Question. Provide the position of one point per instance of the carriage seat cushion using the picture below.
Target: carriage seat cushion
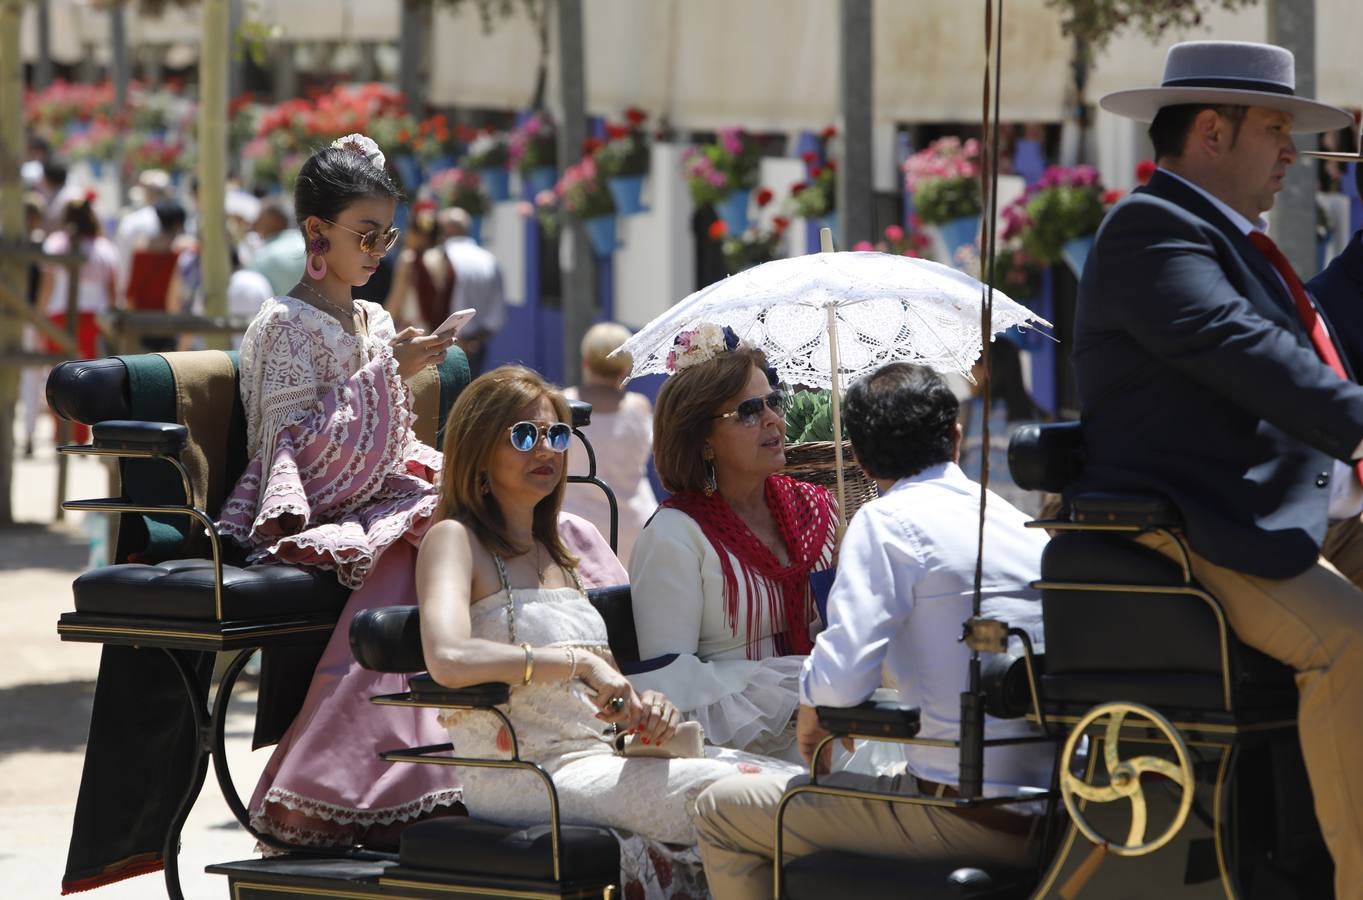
(1162, 649)
(183, 589)
(473, 847)
(831, 873)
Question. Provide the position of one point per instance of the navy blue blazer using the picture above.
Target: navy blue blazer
(1196, 380)
(1339, 294)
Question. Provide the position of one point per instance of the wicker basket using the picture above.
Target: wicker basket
(814, 462)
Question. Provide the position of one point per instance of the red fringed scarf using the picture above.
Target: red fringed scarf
(804, 516)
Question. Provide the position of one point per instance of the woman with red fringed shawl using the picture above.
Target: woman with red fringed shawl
(720, 575)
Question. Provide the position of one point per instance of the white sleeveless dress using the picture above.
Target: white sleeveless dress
(648, 802)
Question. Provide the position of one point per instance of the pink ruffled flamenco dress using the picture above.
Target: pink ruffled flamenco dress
(348, 488)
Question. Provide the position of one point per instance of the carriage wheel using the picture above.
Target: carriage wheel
(1124, 778)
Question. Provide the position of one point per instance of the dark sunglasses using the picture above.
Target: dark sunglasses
(525, 435)
(371, 241)
(749, 412)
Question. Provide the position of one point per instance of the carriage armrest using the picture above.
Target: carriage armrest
(581, 413)
(1003, 677)
(872, 719)
(424, 689)
(150, 437)
(1138, 510)
(1046, 456)
(388, 639)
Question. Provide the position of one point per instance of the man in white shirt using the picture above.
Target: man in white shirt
(904, 586)
(477, 285)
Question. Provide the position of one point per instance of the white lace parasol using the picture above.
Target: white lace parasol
(848, 313)
(885, 308)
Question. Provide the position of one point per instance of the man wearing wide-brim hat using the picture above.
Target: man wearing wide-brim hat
(1339, 289)
(1206, 374)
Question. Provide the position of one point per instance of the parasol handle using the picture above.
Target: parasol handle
(826, 237)
(825, 240)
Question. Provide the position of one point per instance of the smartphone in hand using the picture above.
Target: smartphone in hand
(455, 323)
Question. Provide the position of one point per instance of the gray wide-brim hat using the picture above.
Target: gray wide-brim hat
(1336, 155)
(1229, 72)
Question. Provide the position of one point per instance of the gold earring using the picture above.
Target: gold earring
(711, 483)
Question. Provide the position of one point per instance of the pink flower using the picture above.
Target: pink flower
(894, 233)
(863, 245)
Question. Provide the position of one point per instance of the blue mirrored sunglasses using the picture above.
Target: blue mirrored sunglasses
(749, 412)
(525, 435)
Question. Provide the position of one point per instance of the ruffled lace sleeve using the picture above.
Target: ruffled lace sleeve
(278, 379)
(677, 595)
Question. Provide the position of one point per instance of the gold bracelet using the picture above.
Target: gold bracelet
(529, 664)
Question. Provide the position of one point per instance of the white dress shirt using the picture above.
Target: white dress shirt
(478, 285)
(905, 582)
(1346, 494)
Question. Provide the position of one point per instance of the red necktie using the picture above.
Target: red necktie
(1306, 311)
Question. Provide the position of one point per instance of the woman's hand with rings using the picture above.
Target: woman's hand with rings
(659, 720)
(415, 351)
(613, 696)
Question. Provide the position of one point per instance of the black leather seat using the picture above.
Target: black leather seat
(467, 846)
(1171, 650)
(846, 876)
(186, 589)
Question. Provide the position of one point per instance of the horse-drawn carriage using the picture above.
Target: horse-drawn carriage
(1178, 769)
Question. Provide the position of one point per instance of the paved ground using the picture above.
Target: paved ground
(46, 690)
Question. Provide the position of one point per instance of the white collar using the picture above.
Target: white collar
(943, 471)
(1236, 219)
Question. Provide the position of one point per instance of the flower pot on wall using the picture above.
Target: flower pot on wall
(958, 233)
(409, 170)
(540, 178)
(1075, 252)
(602, 234)
(733, 210)
(627, 191)
(498, 183)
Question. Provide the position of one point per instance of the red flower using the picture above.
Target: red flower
(763, 197)
(1144, 169)
(779, 224)
(590, 146)
(816, 172)
(615, 132)
(635, 116)
(717, 230)
(829, 133)
(1112, 196)
(810, 157)
(831, 165)
(796, 188)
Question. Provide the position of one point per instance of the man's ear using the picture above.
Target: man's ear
(1211, 132)
(957, 434)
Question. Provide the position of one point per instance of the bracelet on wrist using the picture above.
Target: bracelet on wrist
(529, 663)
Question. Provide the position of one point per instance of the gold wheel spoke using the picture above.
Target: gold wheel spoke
(1112, 740)
(1092, 792)
(1158, 765)
(1136, 836)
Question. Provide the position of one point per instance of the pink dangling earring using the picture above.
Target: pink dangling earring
(317, 263)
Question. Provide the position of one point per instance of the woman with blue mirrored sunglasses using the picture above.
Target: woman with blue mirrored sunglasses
(525, 435)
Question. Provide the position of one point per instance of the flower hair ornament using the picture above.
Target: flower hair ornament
(701, 344)
(365, 146)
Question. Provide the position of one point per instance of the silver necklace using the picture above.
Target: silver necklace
(334, 307)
